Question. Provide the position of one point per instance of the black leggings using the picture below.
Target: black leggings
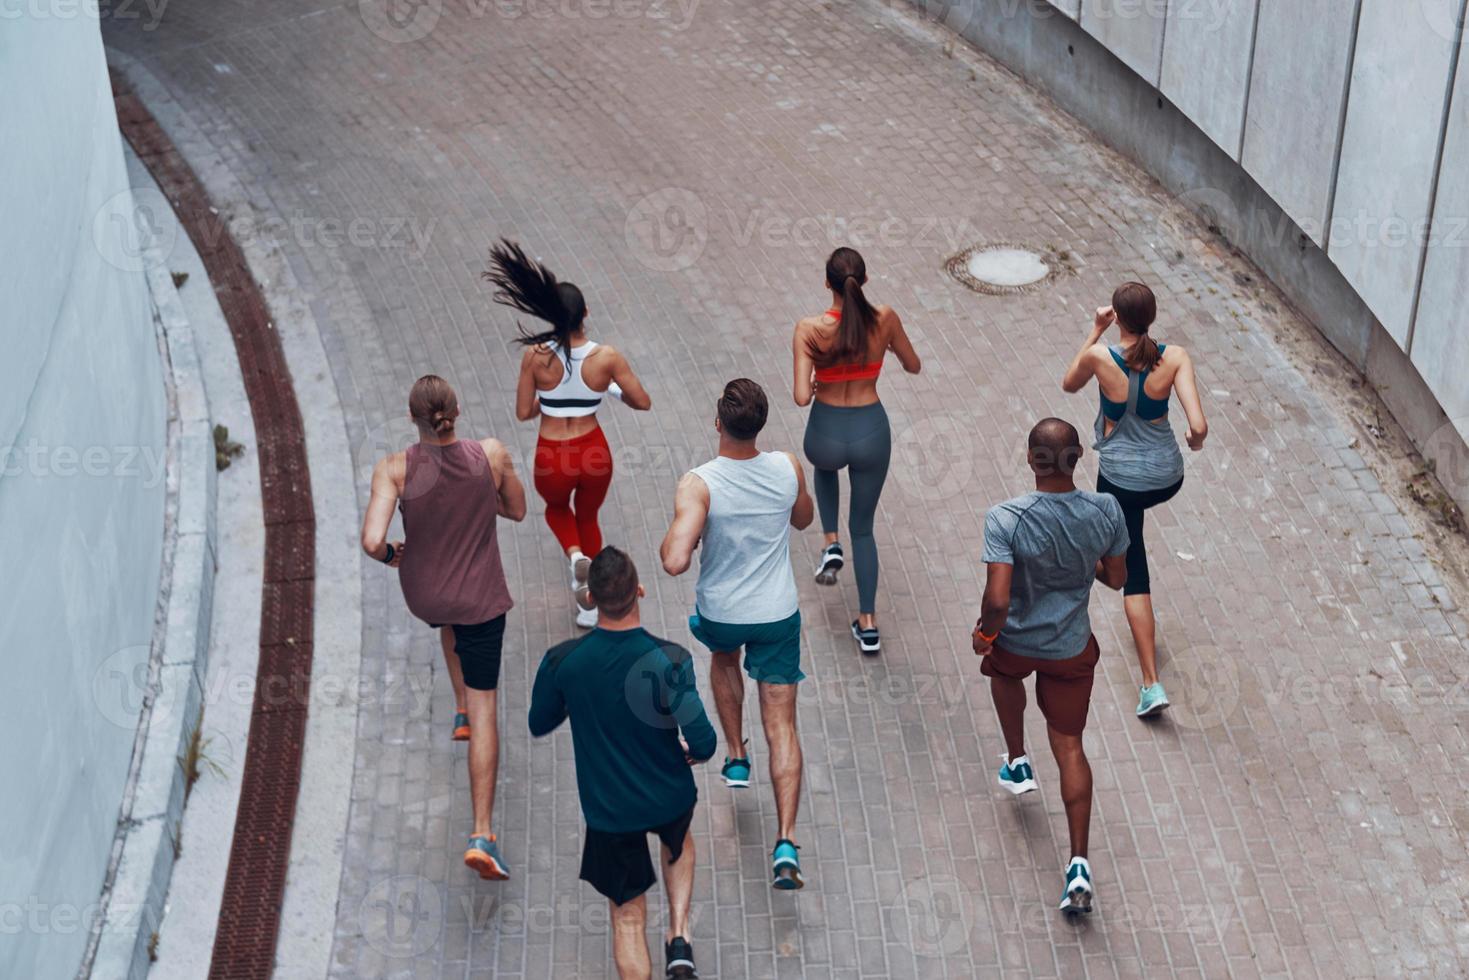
(1135, 503)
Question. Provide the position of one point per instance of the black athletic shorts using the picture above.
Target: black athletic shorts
(479, 649)
(618, 865)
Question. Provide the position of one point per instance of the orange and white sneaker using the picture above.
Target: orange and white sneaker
(483, 857)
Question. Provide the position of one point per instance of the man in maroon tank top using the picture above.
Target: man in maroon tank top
(451, 493)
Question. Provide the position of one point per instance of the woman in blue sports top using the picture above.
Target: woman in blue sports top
(1140, 462)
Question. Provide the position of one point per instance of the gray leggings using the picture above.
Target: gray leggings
(861, 440)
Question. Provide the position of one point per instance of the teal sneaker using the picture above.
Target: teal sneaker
(736, 772)
(1077, 899)
(1017, 777)
(785, 866)
(461, 727)
(1151, 701)
(483, 856)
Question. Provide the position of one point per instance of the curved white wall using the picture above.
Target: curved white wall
(82, 436)
(1352, 116)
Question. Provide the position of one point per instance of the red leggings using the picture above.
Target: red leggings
(580, 466)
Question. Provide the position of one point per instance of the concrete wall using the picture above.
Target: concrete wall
(82, 432)
(1318, 135)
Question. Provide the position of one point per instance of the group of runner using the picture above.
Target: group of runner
(638, 722)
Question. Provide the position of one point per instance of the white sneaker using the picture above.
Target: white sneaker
(581, 567)
(586, 618)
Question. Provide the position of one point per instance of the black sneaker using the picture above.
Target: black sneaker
(680, 955)
(830, 562)
(867, 640)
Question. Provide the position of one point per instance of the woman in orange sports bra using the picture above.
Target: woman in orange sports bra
(838, 357)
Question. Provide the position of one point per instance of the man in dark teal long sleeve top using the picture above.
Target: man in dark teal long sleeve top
(629, 694)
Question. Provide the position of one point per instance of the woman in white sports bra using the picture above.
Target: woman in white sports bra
(563, 379)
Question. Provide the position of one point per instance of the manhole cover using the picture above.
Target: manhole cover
(1001, 269)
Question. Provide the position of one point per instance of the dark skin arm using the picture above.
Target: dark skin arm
(1112, 572)
(996, 607)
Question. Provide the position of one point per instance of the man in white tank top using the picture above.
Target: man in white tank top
(742, 505)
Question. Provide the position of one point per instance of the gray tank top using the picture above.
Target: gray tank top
(745, 562)
(1138, 455)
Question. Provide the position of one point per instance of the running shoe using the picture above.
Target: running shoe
(785, 866)
(581, 568)
(1017, 777)
(461, 727)
(830, 562)
(868, 641)
(679, 954)
(586, 618)
(1151, 701)
(736, 772)
(483, 856)
(1077, 899)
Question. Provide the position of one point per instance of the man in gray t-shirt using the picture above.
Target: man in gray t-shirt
(1043, 551)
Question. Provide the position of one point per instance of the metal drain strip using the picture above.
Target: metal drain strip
(249, 913)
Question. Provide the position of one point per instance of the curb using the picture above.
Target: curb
(153, 804)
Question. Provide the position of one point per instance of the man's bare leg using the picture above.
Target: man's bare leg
(456, 671)
(1076, 788)
(630, 940)
(484, 757)
(778, 713)
(728, 685)
(1009, 697)
(678, 880)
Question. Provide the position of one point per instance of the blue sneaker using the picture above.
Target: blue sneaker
(1151, 701)
(736, 772)
(461, 727)
(786, 866)
(483, 856)
(1017, 777)
(1078, 897)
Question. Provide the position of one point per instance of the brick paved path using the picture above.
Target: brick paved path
(1315, 658)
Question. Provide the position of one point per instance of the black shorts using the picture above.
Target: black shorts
(618, 865)
(479, 649)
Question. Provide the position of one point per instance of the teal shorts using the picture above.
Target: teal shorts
(772, 650)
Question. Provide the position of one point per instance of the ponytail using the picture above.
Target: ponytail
(433, 404)
(1136, 309)
(845, 273)
(528, 286)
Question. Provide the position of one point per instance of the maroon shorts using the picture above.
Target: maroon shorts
(1063, 688)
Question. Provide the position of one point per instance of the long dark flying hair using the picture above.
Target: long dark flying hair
(1136, 309)
(526, 285)
(845, 274)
